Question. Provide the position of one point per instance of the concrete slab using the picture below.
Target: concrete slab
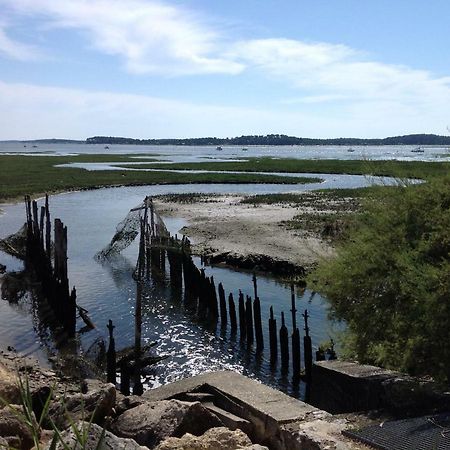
(244, 391)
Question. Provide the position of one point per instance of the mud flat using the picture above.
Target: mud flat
(253, 236)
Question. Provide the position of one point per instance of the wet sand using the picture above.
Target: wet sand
(221, 225)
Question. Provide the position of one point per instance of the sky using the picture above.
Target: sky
(175, 69)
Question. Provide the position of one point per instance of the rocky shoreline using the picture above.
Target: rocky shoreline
(90, 414)
(102, 413)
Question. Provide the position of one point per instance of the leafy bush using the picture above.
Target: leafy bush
(390, 281)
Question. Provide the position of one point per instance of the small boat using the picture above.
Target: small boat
(418, 150)
(219, 148)
(351, 150)
(34, 146)
(245, 149)
(106, 147)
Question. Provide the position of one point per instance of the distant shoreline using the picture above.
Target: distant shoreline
(270, 139)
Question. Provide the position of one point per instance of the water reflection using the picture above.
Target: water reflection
(108, 291)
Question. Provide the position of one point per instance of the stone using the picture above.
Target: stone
(97, 439)
(152, 422)
(220, 438)
(13, 429)
(124, 403)
(96, 401)
(317, 435)
(9, 388)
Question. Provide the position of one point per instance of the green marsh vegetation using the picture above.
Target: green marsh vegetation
(400, 169)
(20, 175)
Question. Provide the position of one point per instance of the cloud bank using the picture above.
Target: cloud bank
(158, 38)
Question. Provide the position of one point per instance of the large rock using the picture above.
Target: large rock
(152, 422)
(9, 388)
(214, 439)
(97, 439)
(94, 403)
(13, 429)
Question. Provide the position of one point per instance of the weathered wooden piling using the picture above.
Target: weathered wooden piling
(284, 346)
(242, 318)
(125, 378)
(137, 384)
(232, 310)
(295, 340)
(249, 320)
(320, 354)
(52, 274)
(296, 355)
(273, 337)
(213, 304)
(223, 305)
(258, 324)
(307, 350)
(111, 355)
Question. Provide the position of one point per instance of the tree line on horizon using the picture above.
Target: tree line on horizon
(277, 139)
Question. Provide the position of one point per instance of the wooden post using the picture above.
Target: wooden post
(249, 320)
(223, 305)
(307, 349)
(232, 310)
(125, 378)
(214, 309)
(71, 313)
(111, 356)
(273, 337)
(137, 384)
(242, 319)
(293, 309)
(320, 355)
(295, 339)
(296, 355)
(255, 286)
(48, 228)
(284, 346)
(258, 324)
(41, 227)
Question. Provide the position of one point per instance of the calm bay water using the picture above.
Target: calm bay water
(108, 291)
(202, 153)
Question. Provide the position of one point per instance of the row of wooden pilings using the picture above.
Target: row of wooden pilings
(211, 305)
(51, 272)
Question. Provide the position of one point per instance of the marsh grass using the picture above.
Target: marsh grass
(34, 175)
(391, 168)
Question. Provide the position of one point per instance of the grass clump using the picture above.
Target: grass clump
(34, 417)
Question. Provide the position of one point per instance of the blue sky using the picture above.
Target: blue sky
(144, 68)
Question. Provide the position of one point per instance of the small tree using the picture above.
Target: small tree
(390, 281)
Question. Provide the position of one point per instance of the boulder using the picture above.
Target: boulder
(220, 438)
(13, 429)
(9, 388)
(97, 439)
(152, 422)
(316, 435)
(96, 402)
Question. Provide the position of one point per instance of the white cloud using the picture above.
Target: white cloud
(328, 72)
(151, 36)
(16, 50)
(33, 111)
